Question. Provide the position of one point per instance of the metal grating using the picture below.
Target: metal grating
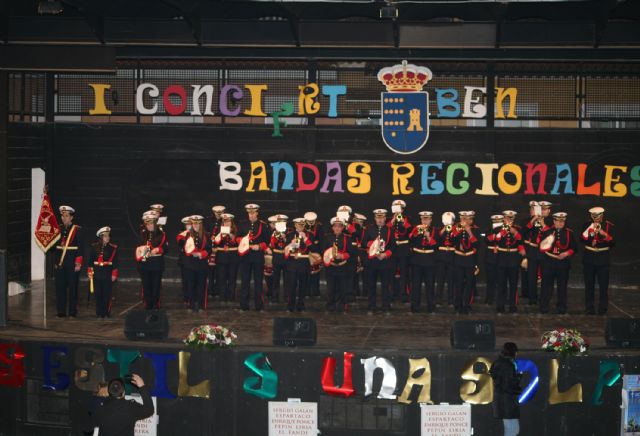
(612, 98)
(551, 92)
(542, 98)
(74, 96)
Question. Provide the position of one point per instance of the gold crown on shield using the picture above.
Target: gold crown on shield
(404, 77)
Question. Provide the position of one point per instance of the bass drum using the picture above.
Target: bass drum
(244, 246)
(268, 265)
(189, 245)
(327, 257)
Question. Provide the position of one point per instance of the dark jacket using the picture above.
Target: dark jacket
(117, 417)
(506, 388)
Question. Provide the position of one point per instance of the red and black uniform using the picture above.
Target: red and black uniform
(297, 270)
(196, 269)
(444, 264)
(361, 256)
(400, 231)
(423, 266)
(252, 262)
(315, 232)
(212, 285)
(338, 272)
(382, 268)
(509, 258)
(151, 267)
(464, 263)
(103, 265)
(491, 266)
(596, 261)
(227, 262)
(65, 274)
(556, 269)
(530, 233)
(180, 240)
(277, 243)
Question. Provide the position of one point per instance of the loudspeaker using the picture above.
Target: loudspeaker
(623, 332)
(294, 332)
(140, 325)
(473, 335)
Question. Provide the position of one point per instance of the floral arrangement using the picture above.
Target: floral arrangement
(210, 336)
(565, 341)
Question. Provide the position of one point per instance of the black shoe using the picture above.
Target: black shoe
(73, 315)
(61, 315)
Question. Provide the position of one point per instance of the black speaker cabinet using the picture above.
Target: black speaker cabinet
(294, 332)
(473, 335)
(142, 325)
(623, 332)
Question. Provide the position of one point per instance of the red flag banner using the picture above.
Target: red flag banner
(47, 230)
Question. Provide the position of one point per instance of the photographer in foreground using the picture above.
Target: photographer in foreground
(118, 416)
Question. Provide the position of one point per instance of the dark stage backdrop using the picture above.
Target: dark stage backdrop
(110, 174)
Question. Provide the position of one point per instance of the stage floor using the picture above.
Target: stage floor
(399, 330)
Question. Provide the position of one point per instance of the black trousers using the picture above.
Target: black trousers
(401, 268)
(524, 283)
(423, 274)
(591, 274)
(273, 282)
(314, 284)
(227, 274)
(66, 278)
(185, 288)
(212, 283)
(102, 289)
(297, 279)
(374, 272)
(151, 282)
(507, 287)
(464, 285)
(550, 275)
(337, 285)
(196, 283)
(444, 275)
(530, 279)
(249, 269)
(491, 271)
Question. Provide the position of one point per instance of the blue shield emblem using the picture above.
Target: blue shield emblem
(405, 120)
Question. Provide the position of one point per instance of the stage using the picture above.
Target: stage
(399, 330)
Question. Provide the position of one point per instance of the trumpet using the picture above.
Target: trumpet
(334, 251)
(422, 229)
(506, 227)
(399, 218)
(538, 223)
(596, 227)
(448, 227)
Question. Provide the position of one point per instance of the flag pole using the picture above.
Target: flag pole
(44, 289)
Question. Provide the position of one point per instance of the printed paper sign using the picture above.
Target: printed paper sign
(445, 420)
(288, 419)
